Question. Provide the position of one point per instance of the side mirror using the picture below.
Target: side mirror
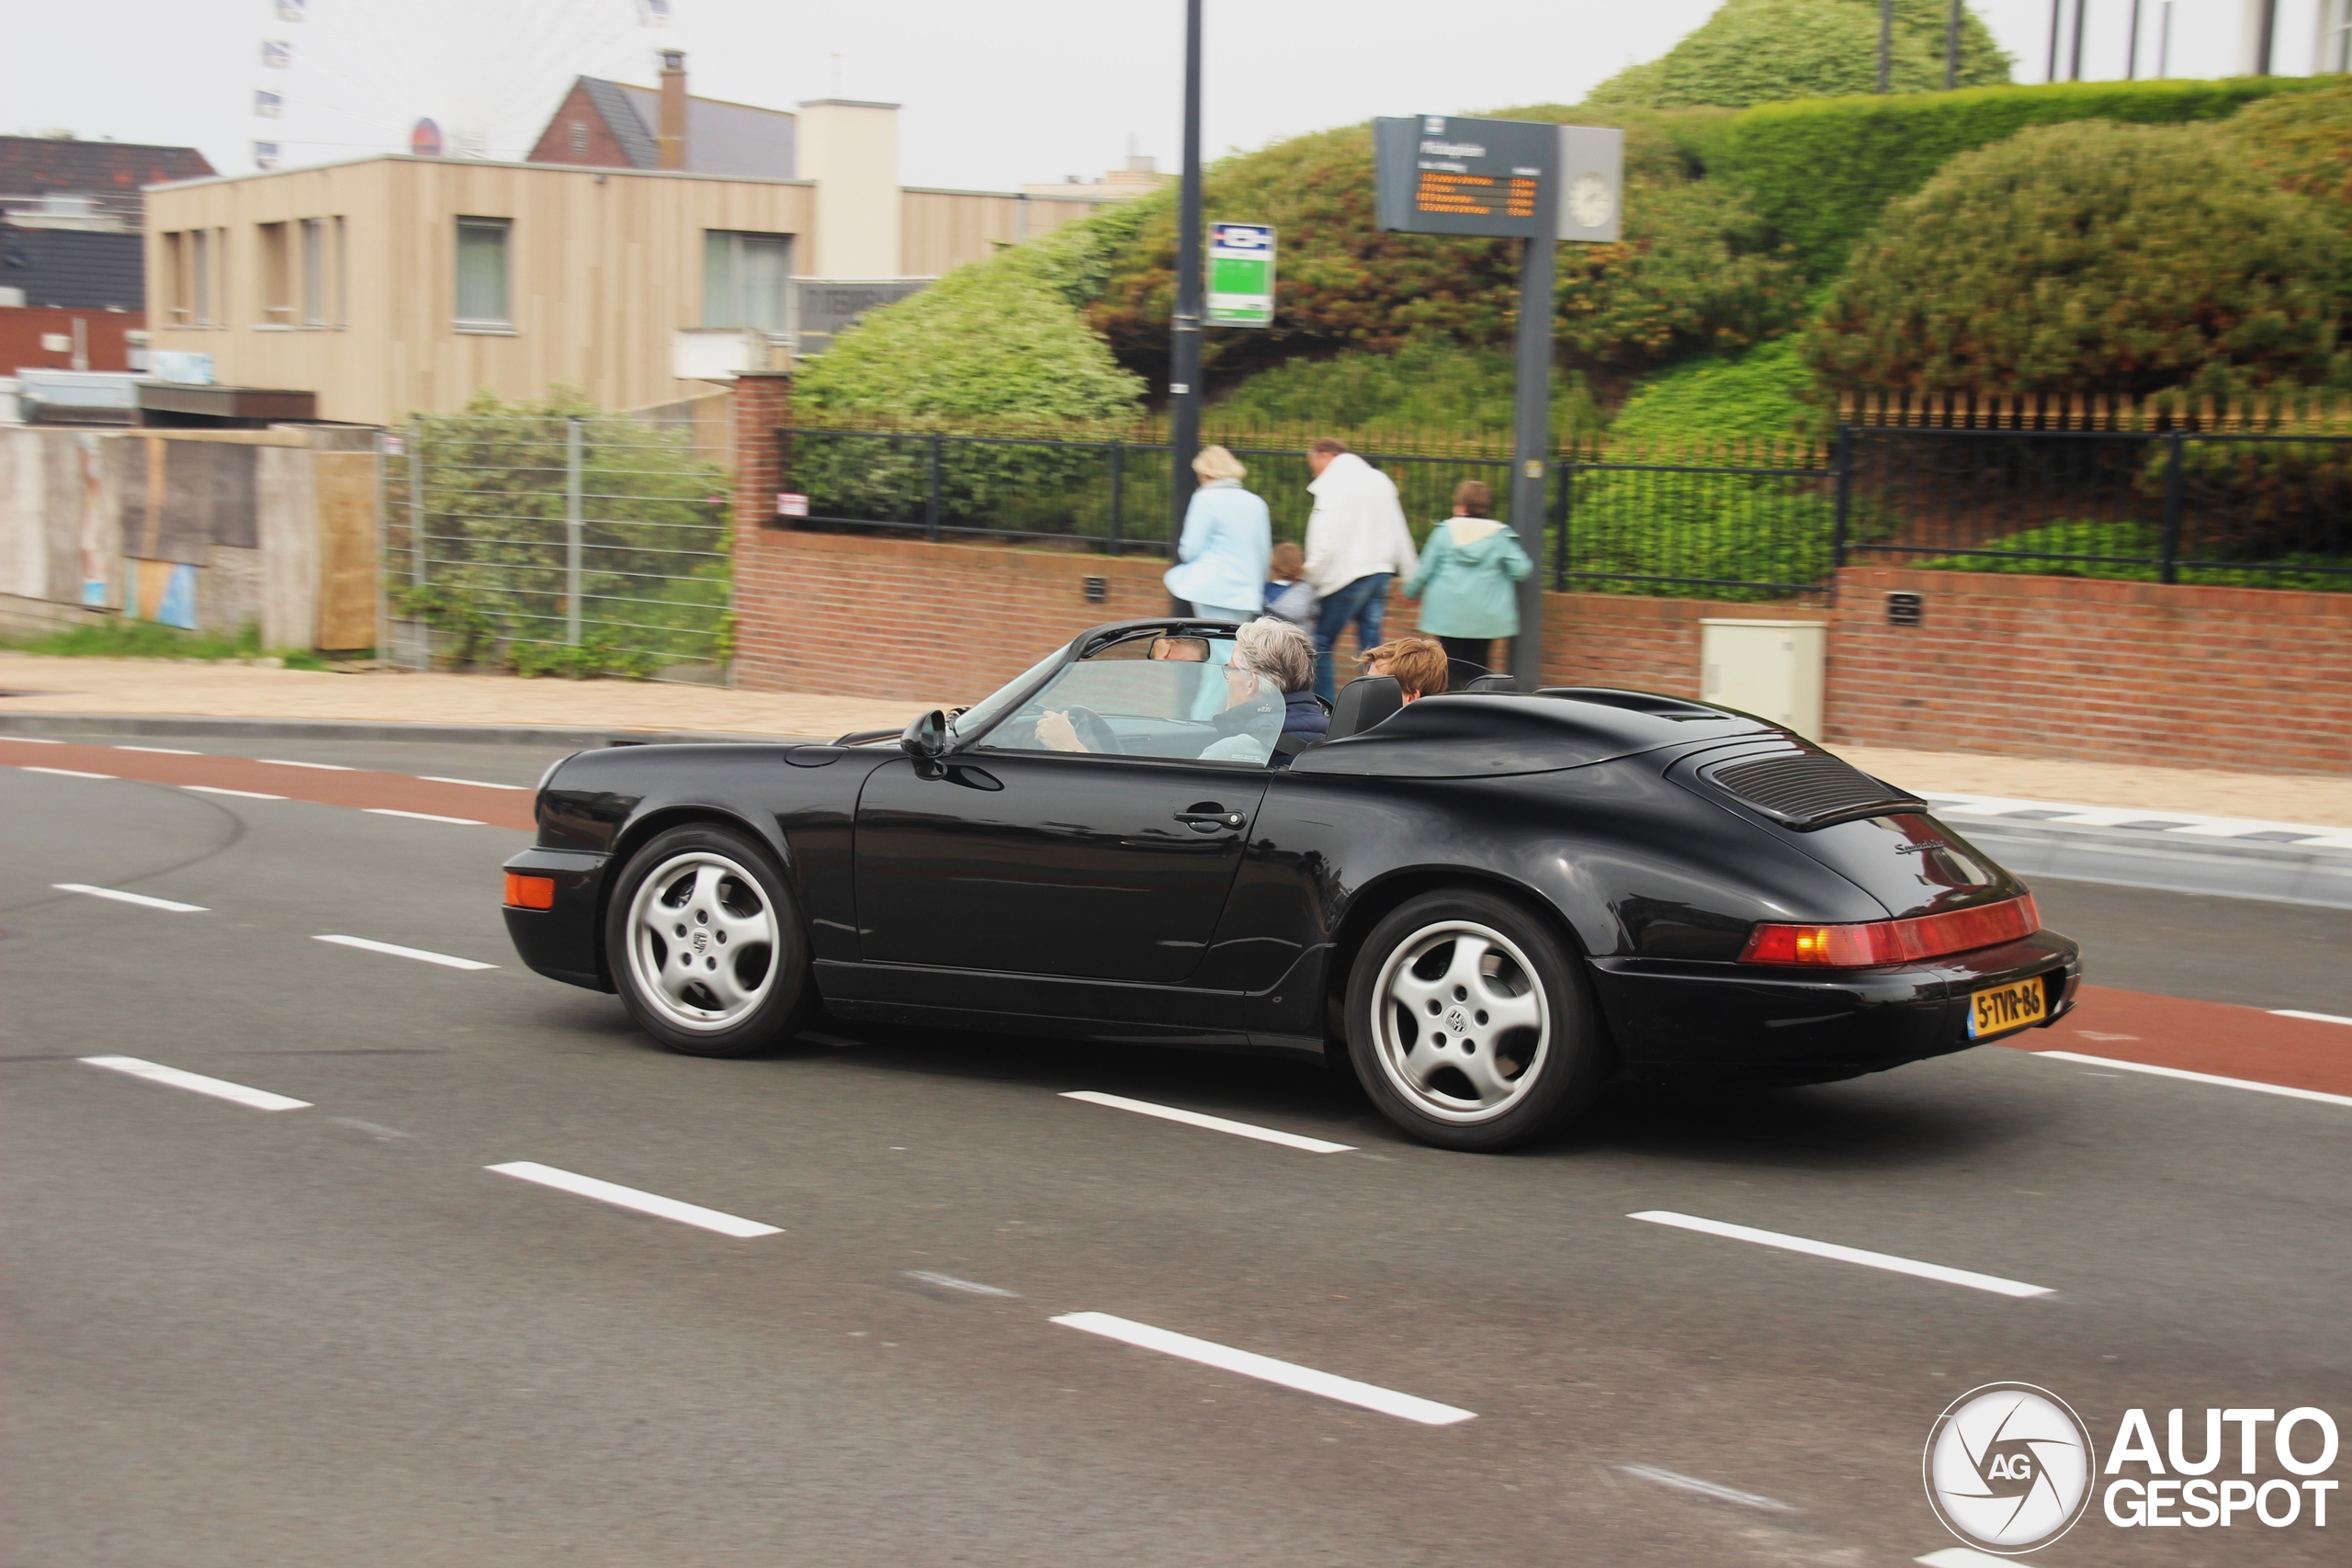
(926, 737)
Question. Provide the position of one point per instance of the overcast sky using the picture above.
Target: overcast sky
(997, 93)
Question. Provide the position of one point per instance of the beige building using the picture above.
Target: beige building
(395, 284)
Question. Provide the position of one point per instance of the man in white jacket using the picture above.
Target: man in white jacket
(1356, 540)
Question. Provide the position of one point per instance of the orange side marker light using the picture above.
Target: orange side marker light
(530, 892)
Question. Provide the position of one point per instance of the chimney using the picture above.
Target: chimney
(674, 109)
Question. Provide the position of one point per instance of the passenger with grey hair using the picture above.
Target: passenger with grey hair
(1220, 570)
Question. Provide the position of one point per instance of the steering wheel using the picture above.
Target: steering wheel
(1093, 733)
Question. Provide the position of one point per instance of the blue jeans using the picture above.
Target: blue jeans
(1364, 602)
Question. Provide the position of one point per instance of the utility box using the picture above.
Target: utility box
(1772, 669)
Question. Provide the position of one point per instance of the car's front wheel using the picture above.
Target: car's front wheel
(1469, 1025)
(703, 944)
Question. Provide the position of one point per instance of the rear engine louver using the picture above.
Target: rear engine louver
(1808, 790)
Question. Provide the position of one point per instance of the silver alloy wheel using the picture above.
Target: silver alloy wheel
(702, 942)
(1459, 1024)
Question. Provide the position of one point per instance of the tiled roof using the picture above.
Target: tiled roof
(39, 166)
(75, 269)
(637, 139)
(724, 137)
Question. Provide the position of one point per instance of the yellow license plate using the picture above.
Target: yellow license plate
(1999, 1008)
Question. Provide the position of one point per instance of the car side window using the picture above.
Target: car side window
(1183, 709)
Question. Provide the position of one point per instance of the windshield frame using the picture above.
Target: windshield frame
(1008, 698)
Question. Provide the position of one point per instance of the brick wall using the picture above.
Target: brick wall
(23, 327)
(2248, 679)
(2244, 678)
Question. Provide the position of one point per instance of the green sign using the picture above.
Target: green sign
(1241, 275)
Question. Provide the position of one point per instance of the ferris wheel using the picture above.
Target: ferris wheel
(338, 79)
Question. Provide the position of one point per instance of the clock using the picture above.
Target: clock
(1591, 202)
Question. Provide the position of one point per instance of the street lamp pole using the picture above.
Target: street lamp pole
(1184, 338)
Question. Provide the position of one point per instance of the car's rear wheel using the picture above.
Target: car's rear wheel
(1468, 1023)
(705, 946)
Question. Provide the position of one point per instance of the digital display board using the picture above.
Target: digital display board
(1446, 175)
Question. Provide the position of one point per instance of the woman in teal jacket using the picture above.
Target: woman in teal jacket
(1469, 583)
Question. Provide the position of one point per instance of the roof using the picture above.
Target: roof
(579, 170)
(721, 138)
(75, 269)
(638, 141)
(36, 165)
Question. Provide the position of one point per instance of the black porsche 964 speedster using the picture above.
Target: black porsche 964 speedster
(1491, 902)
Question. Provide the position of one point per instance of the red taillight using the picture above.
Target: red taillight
(530, 892)
(1880, 943)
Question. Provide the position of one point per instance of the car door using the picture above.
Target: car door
(1051, 864)
(1092, 833)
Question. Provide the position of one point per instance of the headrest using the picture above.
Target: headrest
(1493, 683)
(1362, 703)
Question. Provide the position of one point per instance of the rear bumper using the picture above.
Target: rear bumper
(1677, 1021)
(562, 942)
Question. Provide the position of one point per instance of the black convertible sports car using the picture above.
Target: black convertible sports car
(1490, 901)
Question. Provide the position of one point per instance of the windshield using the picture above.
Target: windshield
(1146, 697)
(975, 720)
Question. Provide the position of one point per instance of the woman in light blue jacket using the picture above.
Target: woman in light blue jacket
(1220, 567)
(1469, 577)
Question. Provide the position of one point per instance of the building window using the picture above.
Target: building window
(578, 136)
(481, 273)
(342, 276)
(746, 281)
(200, 262)
(314, 271)
(276, 275)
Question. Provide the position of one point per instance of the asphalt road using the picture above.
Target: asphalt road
(332, 1334)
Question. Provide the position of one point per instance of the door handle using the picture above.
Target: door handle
(1210, 820)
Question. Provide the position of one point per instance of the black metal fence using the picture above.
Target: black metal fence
(1764, 519)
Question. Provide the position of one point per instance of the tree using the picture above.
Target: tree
(2087, 257)
(1754, 52)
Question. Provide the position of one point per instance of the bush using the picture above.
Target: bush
(997, 339)
(1695, 271)
(1760, 393)
(2302, 142)
(655, 562)
(1754, 52)
(1822, 172)
(2087, 258)
(1430, 384)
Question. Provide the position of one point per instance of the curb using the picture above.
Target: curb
(2082, 852)
(368, 729)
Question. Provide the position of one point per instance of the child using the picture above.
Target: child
(1289, 596)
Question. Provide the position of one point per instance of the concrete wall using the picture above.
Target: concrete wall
(205, 530)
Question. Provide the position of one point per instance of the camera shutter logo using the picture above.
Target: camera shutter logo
(2008, 1468)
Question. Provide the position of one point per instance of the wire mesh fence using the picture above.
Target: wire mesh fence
(571, 546)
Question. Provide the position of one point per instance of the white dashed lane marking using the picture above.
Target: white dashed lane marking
(197, 1083)
(423, 955)
(161, 750)
(1213, 1123)
(1722, 1493)
(419, 816)
(2311, 1017)
(63, 772)
(1885, 1260)
(240, 794)
(472, 784)
(322, 767)
(1306, 1379)
(142, 899)
(2187, 1077)
(630, 1198)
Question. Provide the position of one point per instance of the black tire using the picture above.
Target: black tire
(751, 1005)
(1461, 1090)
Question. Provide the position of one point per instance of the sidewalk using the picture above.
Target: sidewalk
(33, 684)
(37, 685)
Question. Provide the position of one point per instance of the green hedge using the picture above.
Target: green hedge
(1757, 51)
(1820, 171)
